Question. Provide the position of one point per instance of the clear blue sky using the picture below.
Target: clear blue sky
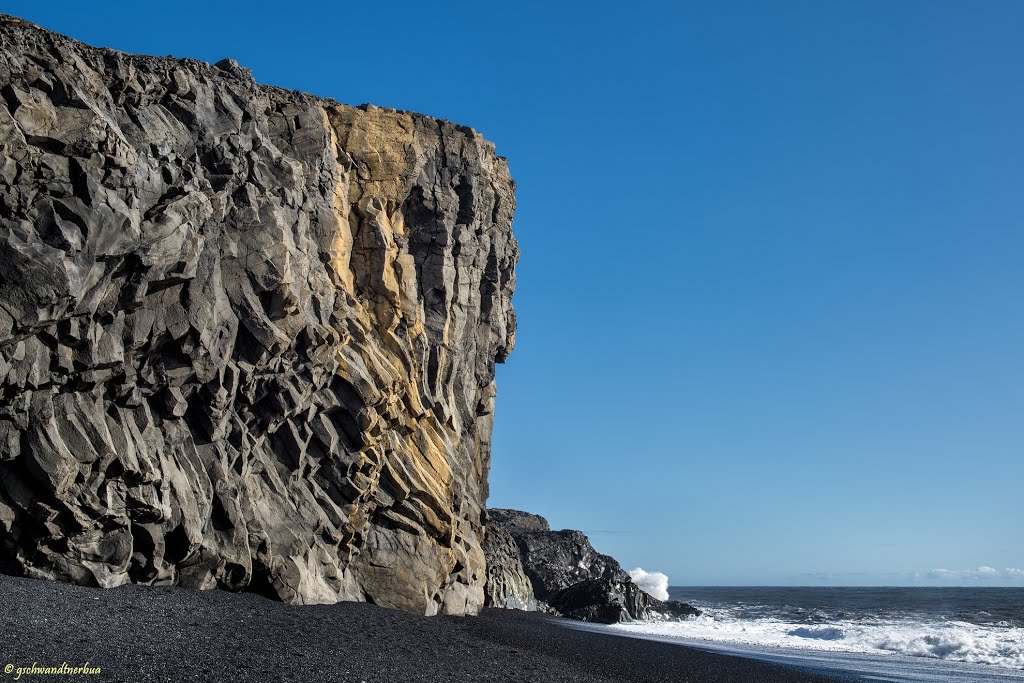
(771, 297)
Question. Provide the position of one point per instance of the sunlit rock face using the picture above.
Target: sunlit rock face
(247, 335)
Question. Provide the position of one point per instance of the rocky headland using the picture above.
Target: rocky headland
(564, 573)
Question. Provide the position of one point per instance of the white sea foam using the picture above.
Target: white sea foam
(654, 584)
(947, 640)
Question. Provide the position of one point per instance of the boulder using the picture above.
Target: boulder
(600, 600)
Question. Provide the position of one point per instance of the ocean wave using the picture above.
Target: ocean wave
(952, 640)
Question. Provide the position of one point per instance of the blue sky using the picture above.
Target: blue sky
(770, 298)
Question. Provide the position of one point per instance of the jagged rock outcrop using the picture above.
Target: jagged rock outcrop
(247, 335)
(605, 601)
(572, 578)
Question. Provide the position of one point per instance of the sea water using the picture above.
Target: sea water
(878, 634)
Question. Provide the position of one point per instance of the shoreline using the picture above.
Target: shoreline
(849, 665)
(174, 634)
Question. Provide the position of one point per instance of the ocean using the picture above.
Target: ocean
(870, 634)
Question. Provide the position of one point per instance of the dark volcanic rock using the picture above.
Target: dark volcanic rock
(555, 560)
(247, 335)
(601, 600)
(575, 580)
(671, 609)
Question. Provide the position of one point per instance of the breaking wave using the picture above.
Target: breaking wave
(958, 641)
(654, 584)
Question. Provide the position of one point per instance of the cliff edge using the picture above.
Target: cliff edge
(247, 335)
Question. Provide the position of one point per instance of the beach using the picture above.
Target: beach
(135, 633)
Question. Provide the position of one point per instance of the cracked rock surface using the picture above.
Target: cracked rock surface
(247, 335)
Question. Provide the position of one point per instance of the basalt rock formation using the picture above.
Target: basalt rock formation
(507, 584)
(247, 335)
(570, 576)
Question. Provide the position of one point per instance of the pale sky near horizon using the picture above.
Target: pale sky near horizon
(771, 295)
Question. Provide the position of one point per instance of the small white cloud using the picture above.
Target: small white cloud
(945, 574)
(984, 572)
(654, 584)
(1015, 573)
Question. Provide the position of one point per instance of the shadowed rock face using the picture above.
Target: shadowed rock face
(556, 560)
(568, 575)
(247, 335)
(602, 600)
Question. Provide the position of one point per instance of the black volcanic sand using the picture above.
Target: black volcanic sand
(137, 633)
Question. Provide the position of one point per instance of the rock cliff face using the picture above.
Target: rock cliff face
(247, 335)
(570, 576)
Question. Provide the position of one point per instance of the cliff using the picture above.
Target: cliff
(247, 335)
(567, 574)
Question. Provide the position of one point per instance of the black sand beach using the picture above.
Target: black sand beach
(170, 634)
